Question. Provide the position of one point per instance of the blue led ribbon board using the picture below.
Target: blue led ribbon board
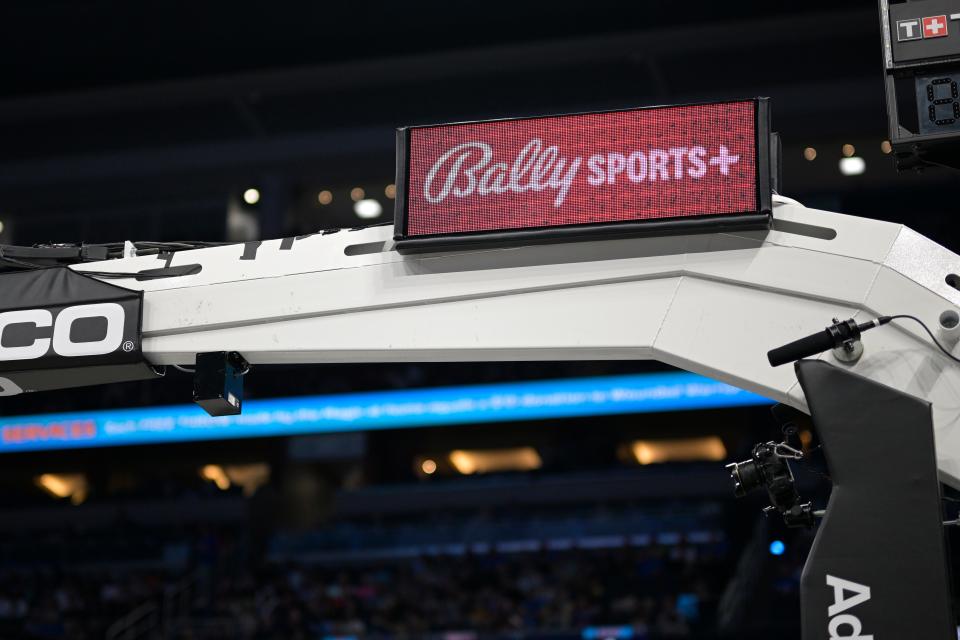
(565, 398)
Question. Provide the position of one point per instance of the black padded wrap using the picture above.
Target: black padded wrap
(54, 290)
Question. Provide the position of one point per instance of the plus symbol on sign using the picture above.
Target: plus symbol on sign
(724, 160)
(935, 27)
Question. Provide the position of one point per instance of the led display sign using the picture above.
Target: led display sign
(704, 165)
(304, 415)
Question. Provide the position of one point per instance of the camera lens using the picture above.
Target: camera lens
(746, 477)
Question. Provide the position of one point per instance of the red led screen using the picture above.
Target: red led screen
(643, 164)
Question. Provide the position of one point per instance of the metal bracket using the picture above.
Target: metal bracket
(849, 351)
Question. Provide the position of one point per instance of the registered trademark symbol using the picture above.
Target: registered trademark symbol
(128, 346)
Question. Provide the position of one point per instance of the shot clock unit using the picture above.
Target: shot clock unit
(921, 59)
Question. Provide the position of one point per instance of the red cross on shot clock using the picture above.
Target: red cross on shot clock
(935, 27)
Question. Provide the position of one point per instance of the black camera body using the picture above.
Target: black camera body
(767, 468)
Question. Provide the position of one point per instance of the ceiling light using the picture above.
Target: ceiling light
(810, 154)
(368, 209)
(324, 197)
(679, 450)
(215, 474)
(249, 477)
(390, 191)
(357, 194)
(64, 485)
(251, 196)
(848, 150)
(852, 166)
(489, 460)
(886, 147)
(428, 466)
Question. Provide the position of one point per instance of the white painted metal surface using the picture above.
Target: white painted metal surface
(713, 304)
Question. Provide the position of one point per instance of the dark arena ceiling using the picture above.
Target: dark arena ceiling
(133, 110)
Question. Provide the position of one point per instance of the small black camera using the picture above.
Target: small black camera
(218, 382)
(768, 469)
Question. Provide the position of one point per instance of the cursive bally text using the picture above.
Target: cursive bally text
(466, 169)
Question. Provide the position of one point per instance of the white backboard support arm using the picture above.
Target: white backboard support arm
(712, 303)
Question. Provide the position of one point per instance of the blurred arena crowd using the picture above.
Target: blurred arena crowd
(654, 591)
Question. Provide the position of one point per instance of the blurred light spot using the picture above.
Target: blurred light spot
(390, 191)
(251, 196)
(324, 197)
(249, 477)
(679, 450)
(491, 460)
(777, 548)
(886, 147)
(215, 474)
(243, 225)
(852, 166)
(848, 150)
(357, 194)
(810, 154)
(368, 209)
(428, 466)
(64, 485)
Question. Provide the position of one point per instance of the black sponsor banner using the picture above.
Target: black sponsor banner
(59, 329)
(878, 566)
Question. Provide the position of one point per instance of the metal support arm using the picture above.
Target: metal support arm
(713, 303)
